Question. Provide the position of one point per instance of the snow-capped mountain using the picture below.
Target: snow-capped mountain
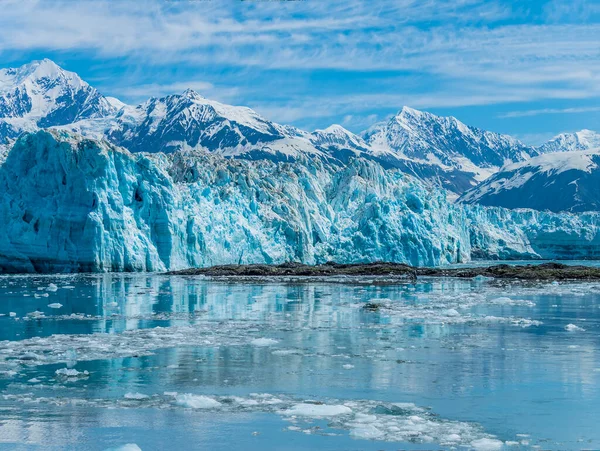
(159, 125)
(443, 150)
(557, 181)
(566, 142)
(41, 94)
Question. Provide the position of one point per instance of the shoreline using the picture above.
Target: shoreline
(543, 271)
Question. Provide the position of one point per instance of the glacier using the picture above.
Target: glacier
(71, 203)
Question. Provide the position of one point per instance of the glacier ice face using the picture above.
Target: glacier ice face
(75, 204)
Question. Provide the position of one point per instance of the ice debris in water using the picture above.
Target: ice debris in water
(574, 328)
(52, 287)
(71, 373)
(317, 410)
(508, 301)
(487, 444)
(55, 305)
(136, 396)
(126, 447)
(364, 419)
(263, 342)
(197, 401)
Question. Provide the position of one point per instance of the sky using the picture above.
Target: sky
(526, 68)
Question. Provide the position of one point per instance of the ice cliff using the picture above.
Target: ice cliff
(76, 204)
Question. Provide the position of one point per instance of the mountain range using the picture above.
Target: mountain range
(439, 151)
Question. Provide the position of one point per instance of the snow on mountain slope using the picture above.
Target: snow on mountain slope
(168, 123)
(76, 204)
(565, 142)
(443, 150)
(41, 94)
(556, 181)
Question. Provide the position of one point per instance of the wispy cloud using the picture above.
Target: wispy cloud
(528, 113)
(460, 52)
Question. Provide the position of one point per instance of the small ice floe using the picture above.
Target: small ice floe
(285, 352)
(263, 342)
(126, 447)
(197, 401)
(347, 366)
(55, 305)
(52, 287)
(317, 410)
(36, 314)
(12, 314)
(34, 380)
(508, 301)
(71, 373)
(481, 278)
(487, 444)
(574, 328)
(136, 396)
(451, 312)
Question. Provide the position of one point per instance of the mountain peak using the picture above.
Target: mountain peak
(193, 95)
(565, 142)
(34, 72)
(43, 94)
(406, 110)
(336, 129)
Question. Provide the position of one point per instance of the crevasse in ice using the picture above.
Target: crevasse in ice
(75, 204)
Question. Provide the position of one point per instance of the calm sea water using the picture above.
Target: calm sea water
(94, 362)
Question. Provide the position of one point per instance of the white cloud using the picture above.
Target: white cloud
(528, 113)
(473, 52)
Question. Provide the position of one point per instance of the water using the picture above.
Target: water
(193, 363)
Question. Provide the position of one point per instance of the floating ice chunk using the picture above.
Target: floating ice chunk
(453, 438)
(197, 401)
(285, 352)
(347, 366)
(263, 342)
(487, 444)
(12, 314)
(126, 447)
(317, 410)
(34, 380)
(574, 328)
(367, 432)
(71, 373)
(508, 301)
(36, 314)
(136, 396)
(451, 312)
(52, 287)
(55, 305)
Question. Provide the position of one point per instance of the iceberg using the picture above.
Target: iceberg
(79, 204)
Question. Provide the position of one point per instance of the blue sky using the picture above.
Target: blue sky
(527, 68)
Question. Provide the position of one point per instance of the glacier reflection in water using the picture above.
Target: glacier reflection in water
(285, 364)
